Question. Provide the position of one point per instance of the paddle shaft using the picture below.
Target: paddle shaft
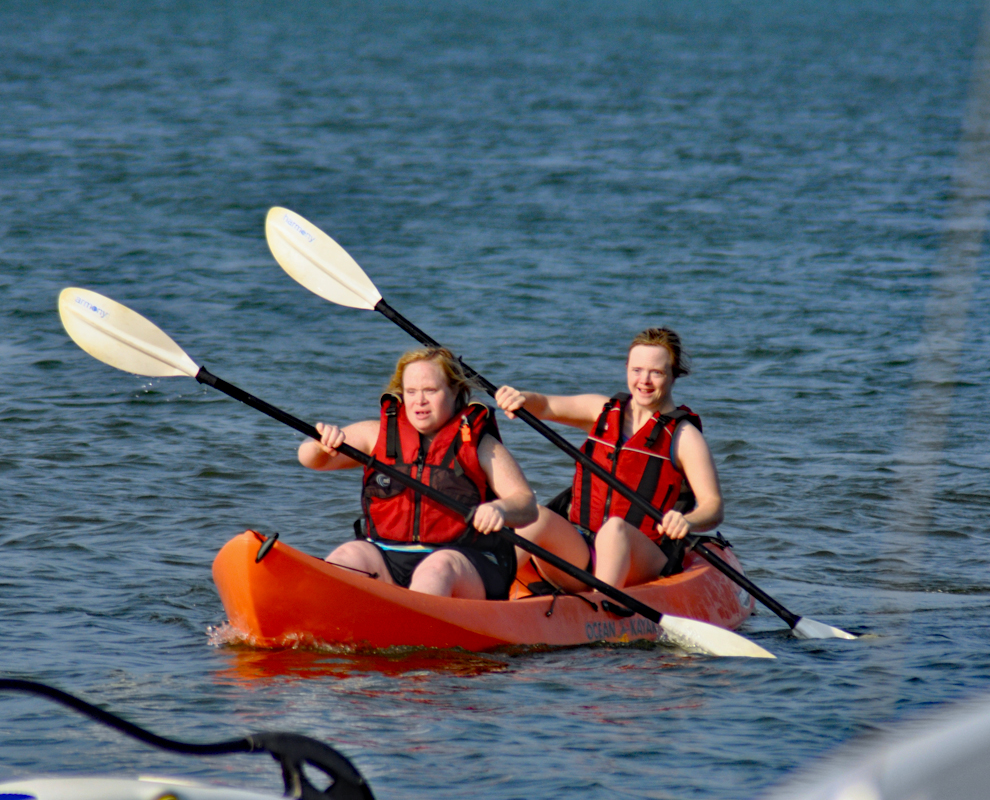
(205, 376)
(636, 499)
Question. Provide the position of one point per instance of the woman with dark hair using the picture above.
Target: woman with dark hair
(429, 429)
(649, 444)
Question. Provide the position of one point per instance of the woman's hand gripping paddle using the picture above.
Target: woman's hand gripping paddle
(122, 338)
(321, 265)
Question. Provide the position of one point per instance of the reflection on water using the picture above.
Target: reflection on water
(306, 658)
(248, 664)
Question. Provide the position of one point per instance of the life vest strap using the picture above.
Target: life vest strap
(392, 449)
(470, 418)
(589, 450)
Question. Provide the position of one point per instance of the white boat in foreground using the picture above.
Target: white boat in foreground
(944, 756)
(102, 788)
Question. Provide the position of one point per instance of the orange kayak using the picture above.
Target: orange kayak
(291, 599)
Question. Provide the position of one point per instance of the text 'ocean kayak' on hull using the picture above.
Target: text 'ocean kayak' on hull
(290, 599)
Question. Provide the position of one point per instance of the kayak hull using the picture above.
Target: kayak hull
(291, 599)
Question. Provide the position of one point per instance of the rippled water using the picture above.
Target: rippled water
(531, 184)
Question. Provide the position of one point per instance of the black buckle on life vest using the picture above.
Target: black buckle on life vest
(662, 421)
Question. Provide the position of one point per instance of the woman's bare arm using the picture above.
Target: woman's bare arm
(323, 455)
(690, 454)
(516, 503)
(578, 410)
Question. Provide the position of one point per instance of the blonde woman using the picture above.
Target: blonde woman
(428, 428)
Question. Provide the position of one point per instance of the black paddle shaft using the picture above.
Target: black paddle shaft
(205, 376)
(636, 499)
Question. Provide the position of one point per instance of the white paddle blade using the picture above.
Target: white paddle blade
(122, 338)
(317, 262)
(701, 637)
(813, 629)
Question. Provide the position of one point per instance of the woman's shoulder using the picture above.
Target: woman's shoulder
(687, 437)
(685, 414)
(364, 434)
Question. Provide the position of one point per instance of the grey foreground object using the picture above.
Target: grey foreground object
(942, 756)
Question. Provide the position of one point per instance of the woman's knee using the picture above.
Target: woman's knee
(445, 562)
(448, 573)
(614, 531)
(626, 555)
(358, 555)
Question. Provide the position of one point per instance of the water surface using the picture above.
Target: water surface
(531, 184)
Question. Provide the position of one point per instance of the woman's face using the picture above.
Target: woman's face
(428, 398)
(650, 375)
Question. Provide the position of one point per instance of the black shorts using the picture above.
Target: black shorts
(589, 539)
(496, 568)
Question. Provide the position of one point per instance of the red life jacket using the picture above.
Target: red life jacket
(643, 463)
(450, 464)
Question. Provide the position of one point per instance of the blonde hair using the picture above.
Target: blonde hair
(666, 338)
(452, 369)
